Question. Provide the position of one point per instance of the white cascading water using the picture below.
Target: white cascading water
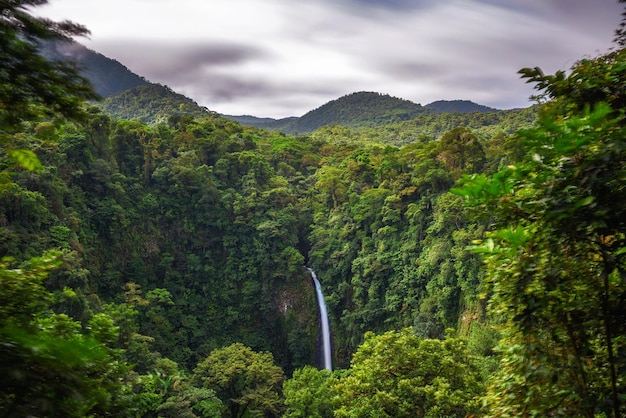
(327, 362)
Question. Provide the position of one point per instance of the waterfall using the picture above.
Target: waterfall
(327, 362)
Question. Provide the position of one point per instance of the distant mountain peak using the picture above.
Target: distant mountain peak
(361, 109)
(458, 106)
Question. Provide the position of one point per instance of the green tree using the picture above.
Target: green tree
(30, 85)
(556, 260)
(308, 394)
(192, 402)
(397, 374)
(167, 393)
(247, 382)
(47, 366)
(331, 183)
(460, 151)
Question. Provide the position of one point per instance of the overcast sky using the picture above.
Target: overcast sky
(277, 58)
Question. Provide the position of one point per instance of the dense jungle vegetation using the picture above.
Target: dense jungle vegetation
(156, 270)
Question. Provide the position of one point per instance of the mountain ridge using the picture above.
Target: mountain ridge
(127, 95)
(360, 110)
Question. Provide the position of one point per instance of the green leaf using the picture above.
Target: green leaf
(584, 202)
(26, 159)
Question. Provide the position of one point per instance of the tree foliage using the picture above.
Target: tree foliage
(49, 367)
(30, 85)
(247, 382)
(397, 374)
(152, 104)
(555, 261)
(182, 242)
(309, 393)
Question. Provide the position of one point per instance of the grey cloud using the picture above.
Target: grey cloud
(180, 61)
(390, 5)
(225, 88)
(202, 71)
(377, 9)
(485, 82)
(492, 51)
(408, 70)
(417, 49)
(393, 5)
(601, 14)
(477, 58)
(228, 88)
(264, 97)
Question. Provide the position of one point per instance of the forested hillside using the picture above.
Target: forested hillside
(373, 117)
(152, 104)
(362, 109)
(472, 264)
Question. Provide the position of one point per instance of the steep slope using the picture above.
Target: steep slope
(107, 76)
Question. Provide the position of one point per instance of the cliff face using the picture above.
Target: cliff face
(295, 300)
